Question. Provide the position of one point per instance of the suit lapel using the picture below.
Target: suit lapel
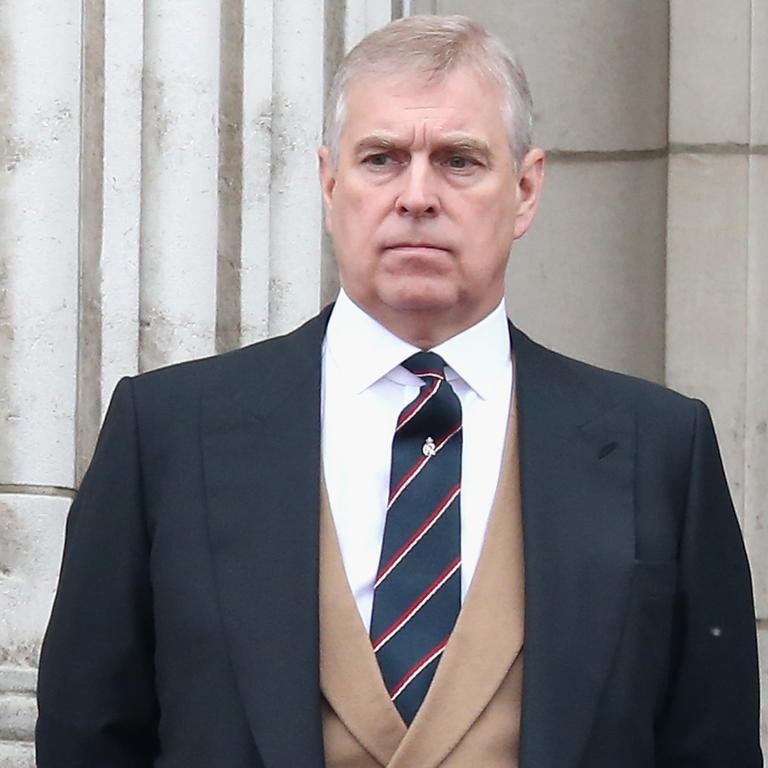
(261, 451)
(577, 458)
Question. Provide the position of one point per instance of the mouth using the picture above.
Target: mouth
(421, 247)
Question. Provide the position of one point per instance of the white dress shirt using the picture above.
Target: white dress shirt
(364, 388)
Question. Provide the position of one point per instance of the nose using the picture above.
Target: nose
(418, 197)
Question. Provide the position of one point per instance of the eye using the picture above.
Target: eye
(460, 163)
(378, 160)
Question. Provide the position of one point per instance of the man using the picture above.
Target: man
(332, 547)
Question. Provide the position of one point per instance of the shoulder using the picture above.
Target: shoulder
(233, 370)
(561, 399)
(166, 402)
(593, 390)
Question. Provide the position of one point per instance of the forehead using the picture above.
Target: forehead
(460, 101)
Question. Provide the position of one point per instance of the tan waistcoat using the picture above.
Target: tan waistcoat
(470, 717)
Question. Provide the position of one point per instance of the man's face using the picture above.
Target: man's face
(423, 203)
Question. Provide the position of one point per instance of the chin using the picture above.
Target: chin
(416, 299)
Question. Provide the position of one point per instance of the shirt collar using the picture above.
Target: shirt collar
(480, 354)
(366, 351)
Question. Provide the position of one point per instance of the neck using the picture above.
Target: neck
(425, 331)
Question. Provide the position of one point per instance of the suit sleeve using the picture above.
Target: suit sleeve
(712, 714)
(96, 700)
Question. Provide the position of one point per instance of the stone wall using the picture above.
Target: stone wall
(158, 201)
(717, 248)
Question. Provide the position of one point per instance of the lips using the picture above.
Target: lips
(417, 246)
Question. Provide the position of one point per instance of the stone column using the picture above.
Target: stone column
(717, 288)
(179, 216)
(363, 17)
(295, 212)
(39, 194)
(110, 210)
(158, 201)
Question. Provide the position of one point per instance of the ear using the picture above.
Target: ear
(327, 181)
(530, 180)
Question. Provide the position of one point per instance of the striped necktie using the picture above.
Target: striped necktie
(417, 593)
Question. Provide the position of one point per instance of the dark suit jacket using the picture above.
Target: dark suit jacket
(185, 629)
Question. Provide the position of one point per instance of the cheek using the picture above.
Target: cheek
(354, 241)
(495, 223)
(488, 234)
(357, 219)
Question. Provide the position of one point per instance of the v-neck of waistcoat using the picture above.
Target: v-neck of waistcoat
(485, 642)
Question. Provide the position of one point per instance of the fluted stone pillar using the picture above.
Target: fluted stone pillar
(297, 115)
(179, 216)
(158, 201)
(39, 230)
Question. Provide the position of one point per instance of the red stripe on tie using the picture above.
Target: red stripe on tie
(417, 668)
(418, 466)
(418, 405)
(423, 528)
(417, 604)
(436, 374)
(443, 440)
(407, 478)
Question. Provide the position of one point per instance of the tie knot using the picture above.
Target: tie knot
(426, 364)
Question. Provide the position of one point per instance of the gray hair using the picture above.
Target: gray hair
(436, 45)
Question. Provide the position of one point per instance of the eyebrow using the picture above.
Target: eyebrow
(376, 141)
(467, 143)
(459, 141)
